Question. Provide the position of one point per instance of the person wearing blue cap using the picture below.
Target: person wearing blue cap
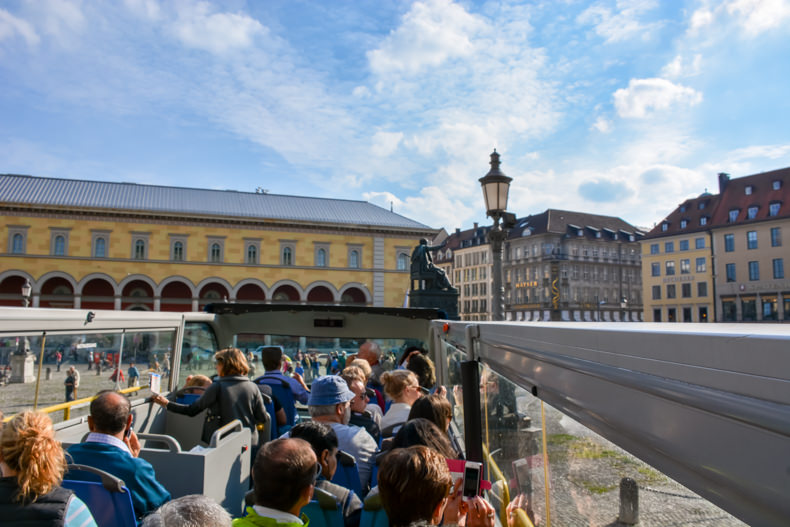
(330, 403)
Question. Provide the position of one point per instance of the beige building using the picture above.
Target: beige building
(467, 261)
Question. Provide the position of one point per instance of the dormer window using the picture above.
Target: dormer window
(773, 208)
(682, 208)
(776, 184)
(701, 205)
(597, 234)
(734, 215)
(664, 226)
(580, 232)
(703, 220)
(751, 212)
(748, 190)
(684, 224)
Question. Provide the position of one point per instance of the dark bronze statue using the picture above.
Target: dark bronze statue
(423, 270)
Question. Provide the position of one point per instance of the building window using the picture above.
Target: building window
(685, 290)
(287, 256)
(59, 246)
(684, 224)
(653, 248)
(699, 243)
(751, 213)
(776, 184)
(683, 245)
(748, 190)
(100, 247)
(776, 237)
(656, 292)
(664, 227)
(655, 268)
(702, 289)
(140, 245)
(139, 250)
(779, 268)
(656, 315)
(216, 250)
(773, 208)
(669, 247)
(353, 259)
(685, 266)
(178, 252)
(17, 240)
(59, 242)
(701, 266)
(733, 217)
(403, 262)
(729, 243)
(671, 291)
(320, 257)
(252, 254)
(730, 268)
(703, 220)
(751, 240)
(754, 271)
(670, 268)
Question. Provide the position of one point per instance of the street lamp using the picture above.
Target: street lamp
(26, 289)
(623, 305)
(496, 186)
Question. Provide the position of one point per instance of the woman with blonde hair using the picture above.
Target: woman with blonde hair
(32, 463)
(404, 389)
(232, 396)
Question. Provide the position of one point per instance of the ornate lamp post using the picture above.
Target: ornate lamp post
(496, 186)
(26, 290)
(22, 360)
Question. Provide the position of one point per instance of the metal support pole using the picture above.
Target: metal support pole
(473, 429)
(496, 237)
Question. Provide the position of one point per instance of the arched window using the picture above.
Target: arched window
(60, 245)
(139, 250)
(353, 259)
(216, 253)
(100, 248)
(252, 254)
(320, 258)
(403, 262)
(178, 251)
(18, 244)
(287, 256)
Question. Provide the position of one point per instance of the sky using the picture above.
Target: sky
(615, 107)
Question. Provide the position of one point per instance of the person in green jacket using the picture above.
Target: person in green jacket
(283, 475)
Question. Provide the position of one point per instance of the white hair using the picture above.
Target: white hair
(194, 510)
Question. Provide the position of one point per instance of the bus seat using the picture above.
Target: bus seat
(221, 472)
(188, 398)
(347, 474)
(283, 394)
(272, 424)
(110, 502)
(323, 510)
(373, 513)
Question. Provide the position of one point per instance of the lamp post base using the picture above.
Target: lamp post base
(22, 369)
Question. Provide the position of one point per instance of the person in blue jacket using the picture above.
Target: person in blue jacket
(112, 446)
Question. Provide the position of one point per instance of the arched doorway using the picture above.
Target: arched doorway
(250, 293)
(98, 293)
(57, 292)
(11, 291)
(320, 295)
(353, 295)
(137, 295)
(285, 293)
(211, 293)
(176, 296)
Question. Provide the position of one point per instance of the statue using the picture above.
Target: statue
(423, 269)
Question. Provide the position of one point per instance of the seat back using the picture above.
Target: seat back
(347, 473)
(109, 501)
(323, 510)
(373, 513)
(282, 391)
(272, 424)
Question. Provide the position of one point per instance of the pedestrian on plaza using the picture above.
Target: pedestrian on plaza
(58, 359)
(133, 375)
(90, 359)
(71, 384)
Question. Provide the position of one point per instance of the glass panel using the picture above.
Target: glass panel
(530, 441)
(197, 351)
(77, 366)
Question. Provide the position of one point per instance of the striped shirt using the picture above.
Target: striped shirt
(78, 515)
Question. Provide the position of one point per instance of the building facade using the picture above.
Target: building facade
(100, 245)
(467, 261)
(564, 265)
(677, 264)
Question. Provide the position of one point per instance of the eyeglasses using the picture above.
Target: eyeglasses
(317, 472)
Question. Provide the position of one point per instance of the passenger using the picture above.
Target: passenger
(360, 416)
(421, 431)
(112, 446)
(371, 352)
(437, 409)
(272, 357)
(193, 510)
(415, 484)
(283, 476)
(330, 403)
(324, 442)
(378, 397)
(132, 375)
(423, 368)
(232, 396)
(403, 388)
(408, 352)
(32, 464)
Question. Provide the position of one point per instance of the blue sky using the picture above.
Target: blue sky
(613, 107)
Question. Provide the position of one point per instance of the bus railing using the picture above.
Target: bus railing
(77, 403)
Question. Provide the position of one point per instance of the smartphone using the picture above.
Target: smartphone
(472, 476)
(128, 433)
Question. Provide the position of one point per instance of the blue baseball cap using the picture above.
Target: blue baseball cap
(329, 390)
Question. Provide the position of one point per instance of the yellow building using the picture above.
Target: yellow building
(677, 267)
(106, 245)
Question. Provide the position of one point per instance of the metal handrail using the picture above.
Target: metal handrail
(79, 403)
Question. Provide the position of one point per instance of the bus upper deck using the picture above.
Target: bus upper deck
(706, 405)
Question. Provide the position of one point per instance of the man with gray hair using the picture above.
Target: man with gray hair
(189, 511)
(330, 403)
(371, 352)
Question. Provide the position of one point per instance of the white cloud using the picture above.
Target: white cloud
(198, 27)
(385, 143)
(11, 25)
(434, 206)
(621, 23)
(759, 151)
(682, 67)
(645, 96)
(758, 16)
(145, 8)
(431, 33)
(603, 125)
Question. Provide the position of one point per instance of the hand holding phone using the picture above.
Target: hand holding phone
(472, 477)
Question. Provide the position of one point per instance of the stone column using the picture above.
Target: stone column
(117, 305)
(77, 301)
(759, 307)
(157, 303)
(781, 306)
(738, 310)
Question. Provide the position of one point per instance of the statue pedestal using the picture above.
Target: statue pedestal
(22, 368)
(447, 301)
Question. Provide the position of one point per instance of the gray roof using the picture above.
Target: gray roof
(72, 193)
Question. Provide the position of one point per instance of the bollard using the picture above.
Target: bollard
(48, 376)
(629, 502)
